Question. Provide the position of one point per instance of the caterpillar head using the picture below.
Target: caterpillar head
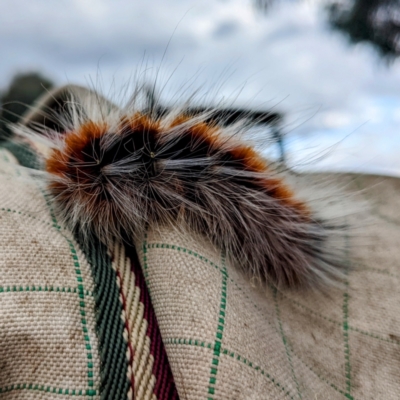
(113, 172)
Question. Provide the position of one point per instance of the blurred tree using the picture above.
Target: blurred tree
(373, 21)
(24, 89)
(263, 5)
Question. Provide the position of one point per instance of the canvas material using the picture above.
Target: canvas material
(48, 344)
(130, 356)
(224, 338)
(227, 340)
(74, 324)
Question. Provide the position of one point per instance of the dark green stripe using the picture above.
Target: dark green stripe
(109, 325)
(25, 155)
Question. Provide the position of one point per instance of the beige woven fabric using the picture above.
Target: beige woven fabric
(48, 345)
(227, 340)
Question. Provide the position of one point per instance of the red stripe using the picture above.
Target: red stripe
(165, 388)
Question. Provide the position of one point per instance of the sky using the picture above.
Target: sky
(341, 102)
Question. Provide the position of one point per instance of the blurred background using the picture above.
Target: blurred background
(329, 68)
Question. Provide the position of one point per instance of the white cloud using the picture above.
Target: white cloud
(287, 59)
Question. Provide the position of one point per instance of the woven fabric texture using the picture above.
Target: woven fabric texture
(74, 323)
(78, 322)
(48, 344)
(228, 340)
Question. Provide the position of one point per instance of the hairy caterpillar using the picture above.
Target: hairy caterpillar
(114, 171)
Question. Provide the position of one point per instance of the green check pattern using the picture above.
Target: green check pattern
(48, 344)
(227, 340)
(224, 338)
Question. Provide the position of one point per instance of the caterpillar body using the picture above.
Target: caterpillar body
(114, 171)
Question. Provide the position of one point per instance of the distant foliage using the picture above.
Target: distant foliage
(263, 5)
(373, 21)
(376, 22)
(24, 89)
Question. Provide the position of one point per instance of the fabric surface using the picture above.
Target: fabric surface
(48, 343)
(78, 322)
(74, 323)
(227, 340)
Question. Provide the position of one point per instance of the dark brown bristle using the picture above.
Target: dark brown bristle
(75, 142)
(209, 136)
(116, 179)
